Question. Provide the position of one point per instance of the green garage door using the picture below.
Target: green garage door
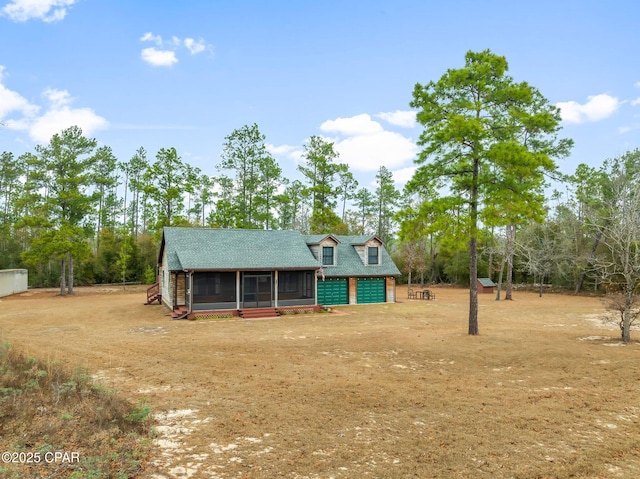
(370, 290)
(333, 291)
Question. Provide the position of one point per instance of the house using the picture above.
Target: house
(485, 285)
(207, 271)
(355, 269)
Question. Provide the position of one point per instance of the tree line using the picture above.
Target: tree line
(73, 213)
(477, 204)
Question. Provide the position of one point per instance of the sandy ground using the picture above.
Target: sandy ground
(391, 390)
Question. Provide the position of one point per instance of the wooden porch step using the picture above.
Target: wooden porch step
(153, 293)
(179, 312)
(252, 313)
(155, 297)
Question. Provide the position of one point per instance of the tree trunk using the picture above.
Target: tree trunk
(511, 238)
(490, 268)
(409, 279)
(626, 320)
(99, 221)
(473, 251)
(124, 211)
(592, 254)
(70, 285)
(499, 288)
(63, 286)
(541, 285)
(473, 288)
(135, 212)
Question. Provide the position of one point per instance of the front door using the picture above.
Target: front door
(256, 290)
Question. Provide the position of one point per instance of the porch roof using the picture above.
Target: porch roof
(229, 249)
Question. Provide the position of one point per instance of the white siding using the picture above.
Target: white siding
(13, 281)
(165, 283)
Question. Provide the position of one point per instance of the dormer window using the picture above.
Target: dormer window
(373, 255)
(327, 256)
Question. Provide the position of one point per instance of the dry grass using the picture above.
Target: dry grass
(47, 411)
(381, 391)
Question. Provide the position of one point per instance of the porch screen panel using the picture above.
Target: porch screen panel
(213, 287)
(295, 285)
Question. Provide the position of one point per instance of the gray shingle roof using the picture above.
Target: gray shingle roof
(349, 262)
(226, 249)
(486, 282)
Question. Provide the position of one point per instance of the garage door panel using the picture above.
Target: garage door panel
(333, 291)
(371, 290)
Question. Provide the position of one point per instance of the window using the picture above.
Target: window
(327, 255)
(373, 255)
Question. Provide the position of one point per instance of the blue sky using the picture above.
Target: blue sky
(186, 74)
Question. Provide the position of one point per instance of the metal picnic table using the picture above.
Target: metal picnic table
(421, 294)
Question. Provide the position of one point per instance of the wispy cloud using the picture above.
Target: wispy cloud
(359, 125)
(166, 53)
(596, 108)
(61, 115)
(403, 175)
(158, 58)
(12, 102)
(365, 145)
(195, 46)
(17, 113)
(287, 151)
(403, 118)
(45, 10)
(150, 37)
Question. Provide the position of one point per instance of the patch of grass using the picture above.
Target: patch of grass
(47, 409)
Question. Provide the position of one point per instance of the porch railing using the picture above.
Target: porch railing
(153, 293)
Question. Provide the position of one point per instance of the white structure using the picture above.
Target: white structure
(13, 281)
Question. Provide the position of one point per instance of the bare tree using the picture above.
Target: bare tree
(541, 249)
(617, 303)
(619, 262)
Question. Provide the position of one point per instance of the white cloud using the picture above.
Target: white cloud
(356, 125)
(626, 129)
(166, 53)
(54, 121)
(403, 118)
(60, 116)
(597, 107)
(11, 101)
(159, 58)
(150, 37)
(403, 175)
(57, 98)
(369, 152)
(636, 102)
(18, 114)
(45, 10)
(288, 151)
(365, 145)
(637, 84)
(195, 46)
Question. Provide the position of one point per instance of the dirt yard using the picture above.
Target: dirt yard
(380, 391)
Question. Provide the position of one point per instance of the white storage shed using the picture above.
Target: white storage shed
(13, 281)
